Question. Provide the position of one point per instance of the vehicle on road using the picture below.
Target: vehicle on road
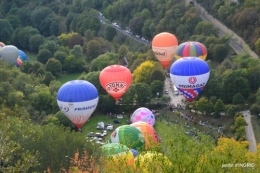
(166, 92)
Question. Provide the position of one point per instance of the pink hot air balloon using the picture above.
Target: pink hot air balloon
(143, 114)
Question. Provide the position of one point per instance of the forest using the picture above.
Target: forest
(67, 37)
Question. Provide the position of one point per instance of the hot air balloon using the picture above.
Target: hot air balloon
(9, 54)
(115, 79)
(150, 136)
(18, 62)
(116, 154)
(143, 114)
(77, 99)
(23, 56)
(135, 152)
(129, 136)
(164, 46)
(1, 45)
(152, 161)
(194, 49)
(190, 75)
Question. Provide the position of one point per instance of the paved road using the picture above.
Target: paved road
(250, 136)
(238, 49)
(169, 86)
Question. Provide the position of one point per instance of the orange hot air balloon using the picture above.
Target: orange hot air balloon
(164, 46)
(150, 136)
(115, 79)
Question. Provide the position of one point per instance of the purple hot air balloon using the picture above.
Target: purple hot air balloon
(143, 114)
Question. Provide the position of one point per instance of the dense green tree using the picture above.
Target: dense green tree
(14, 20)
(143, 93)
(77, 51)
(238, 99)
(54, 66)
(35, 41)
(60, 56)
(44, 55)
(51, 46)
(71, 64)
(93, 49)
(103, 61)
(48, 77)
(204, 106)
(38, 17)
(255, 109)
(157, 74)
(122, 51)
(136, 25)
(157, 87)
(24, 36)
(6, 28)
(231, 110)
(109, 33)
(219, 106)
(220, 52)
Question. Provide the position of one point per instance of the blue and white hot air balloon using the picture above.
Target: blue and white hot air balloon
(190, 75)
(77, 99)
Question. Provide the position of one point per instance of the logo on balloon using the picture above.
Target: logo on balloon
(192, 80)
(160, 52)
(64, 108)
(115, 86)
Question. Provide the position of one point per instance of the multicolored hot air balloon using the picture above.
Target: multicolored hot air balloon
(164, 46)
(193, 48)
(129, 136)
(152, 161)
(150, 136)
(18, 62)
(190, 75)
(9, 54)
(23, 56)
(77, 99)
(115, 79)
(117, 154)
(143, 114)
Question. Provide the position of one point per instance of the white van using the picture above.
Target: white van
(110, 127)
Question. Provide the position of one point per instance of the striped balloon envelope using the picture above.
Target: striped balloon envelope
(77, 99)
(193, 48)
(150, 136)
(129, 136)
(190, 75)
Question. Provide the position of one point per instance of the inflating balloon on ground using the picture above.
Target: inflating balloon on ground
(150, 136)
(9, 54)
(143, 114)
(129, 136)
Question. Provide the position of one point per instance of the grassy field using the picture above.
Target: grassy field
(31, 56)
(65, 78)
(256, 127)
(162, 125)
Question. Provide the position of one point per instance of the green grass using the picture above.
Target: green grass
(256, 127)
(32, 56)
(160, 126)
(68, 77)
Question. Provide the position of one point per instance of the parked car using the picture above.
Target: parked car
(91, 134)
(99, 135)
(100, 127)
(166, 92)
(110, 127)
(104, 132)
(117, 121)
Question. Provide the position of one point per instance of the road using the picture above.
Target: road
(238, 49)
(250, 136)
(169, 86)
